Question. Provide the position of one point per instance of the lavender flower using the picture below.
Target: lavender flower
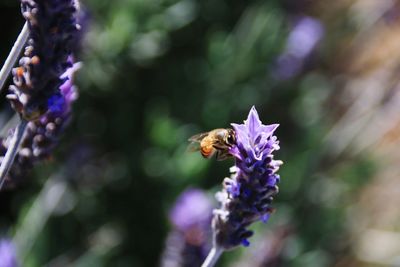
(187, 244)
(37, 80)
(41, 136)
(302, 40)
(7, 254)
(247, 195)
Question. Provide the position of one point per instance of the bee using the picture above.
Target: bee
(217, 142)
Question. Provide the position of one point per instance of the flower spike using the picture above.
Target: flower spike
(52, 30)
(247, 195)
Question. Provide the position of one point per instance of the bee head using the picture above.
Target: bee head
(230, 138)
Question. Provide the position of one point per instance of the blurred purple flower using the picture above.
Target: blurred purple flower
(188, 242)
(304, 36)
(192, 208)
(37, 80)
(41, 136)
(301, 42)
(247, 195)
(8, 256)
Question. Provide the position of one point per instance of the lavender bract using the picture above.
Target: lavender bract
(37, 80)
(247, 195)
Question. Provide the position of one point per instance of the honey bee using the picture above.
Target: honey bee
(217, 142)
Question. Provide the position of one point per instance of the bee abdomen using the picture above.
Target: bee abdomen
(206, 151)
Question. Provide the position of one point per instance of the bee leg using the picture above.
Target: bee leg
(222, 155)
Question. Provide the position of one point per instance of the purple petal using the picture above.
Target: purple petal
(269, 129)
(253, 122)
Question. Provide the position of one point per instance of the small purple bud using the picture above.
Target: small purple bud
(188, 241)
(232, 187)
(265, 217)
(56, 103)
(245, 243)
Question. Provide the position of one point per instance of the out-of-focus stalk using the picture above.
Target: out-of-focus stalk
(12, 150)
(212, 257)
(14, 53)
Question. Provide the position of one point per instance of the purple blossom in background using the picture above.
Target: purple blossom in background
(188, 243)
(247, 195)
(52, 36)
(7, 254)
(41, 136)
(301, 42)
(190, 210)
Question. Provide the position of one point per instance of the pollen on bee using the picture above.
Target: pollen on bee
(206, 151)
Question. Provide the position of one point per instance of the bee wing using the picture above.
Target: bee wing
(195, 141)
(198, 137)
(193, 146)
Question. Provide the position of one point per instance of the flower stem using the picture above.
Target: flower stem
(12, 150)
(13, 56)
(212, 257)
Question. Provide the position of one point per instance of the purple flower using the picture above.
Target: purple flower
(302, 40)
(37, 80)
(193, 208)
(7, 254)
(247, 195)
(187, 244)
(41, 136)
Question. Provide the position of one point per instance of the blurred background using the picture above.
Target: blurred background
(158, 71)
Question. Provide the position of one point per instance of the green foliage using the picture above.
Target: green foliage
(156, 72)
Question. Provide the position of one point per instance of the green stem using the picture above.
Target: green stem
(13, 56)
(12, 150)
(212, 257)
